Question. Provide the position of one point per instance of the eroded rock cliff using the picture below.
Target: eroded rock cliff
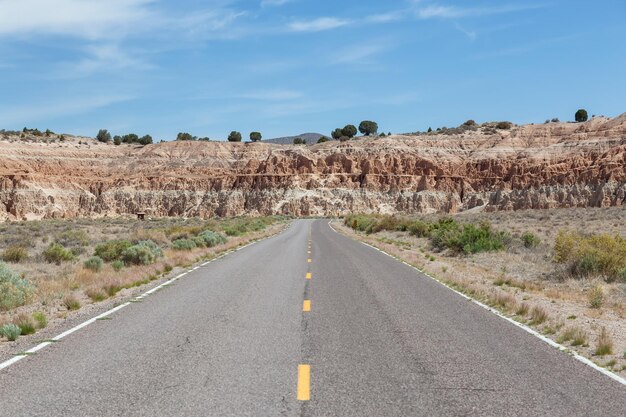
(532, 166)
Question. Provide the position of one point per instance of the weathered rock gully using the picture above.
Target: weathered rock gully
(532, 166)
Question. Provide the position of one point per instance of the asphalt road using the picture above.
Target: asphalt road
(231, 339)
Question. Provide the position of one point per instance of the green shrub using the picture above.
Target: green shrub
(184, 244)
(26, 324)
(94, 263)
(112, 250)
(212, 238)
(504, 125)
(419, 228)
(41, 319)
(530, 240)
(591, 255)
(56, 253)
(15, 254)
(10, 331)
(467, 238)
(117, 265)
(199, 241)
(73, 238)
(143, 253)
(360, 222)
(14, 290)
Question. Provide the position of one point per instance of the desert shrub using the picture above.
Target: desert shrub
(419, 228)
(591, 255)
(596, 297)
(14, 290)
(10, 331)
(103, 136)
(96, 294)
(388, 223)
(538, 315)
(199, 241)
(117, 265)
(504, 125)
(360, 222)
(604, 344)
(25, 323)
(15, 254)
(243, 225)
(71, 302)
(530, 240)
(73, 238)
(467, 238)
(41, 319)
(212, 238)
(255, 136)
(57, 253)
(184, 244)
(322, 139)
(112, 250)
(143, 253)
(94, 263)
(575, 335)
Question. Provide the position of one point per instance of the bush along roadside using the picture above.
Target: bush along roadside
(526, 300)
(113, 265)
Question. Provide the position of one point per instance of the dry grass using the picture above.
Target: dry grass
(604, 344)
(538, 315)
(573, 334)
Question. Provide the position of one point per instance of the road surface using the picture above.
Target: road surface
(237, 337)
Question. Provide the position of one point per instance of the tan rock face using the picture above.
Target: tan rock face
(542, 166)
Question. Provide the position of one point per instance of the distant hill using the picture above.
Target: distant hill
(288, 140)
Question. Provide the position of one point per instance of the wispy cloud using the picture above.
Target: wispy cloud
(454, 12)
(98, 20)
(92, 19)
(273, 3)
(318, 25)
(270, 95)
(359, 53)
(19, 115)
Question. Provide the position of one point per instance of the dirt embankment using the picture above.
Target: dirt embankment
(531, 166)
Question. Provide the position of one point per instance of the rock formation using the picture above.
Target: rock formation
(532, 166)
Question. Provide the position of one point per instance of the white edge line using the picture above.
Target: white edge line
(522, 326)
(92, 320)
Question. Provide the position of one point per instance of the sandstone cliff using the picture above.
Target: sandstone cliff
(532, 166)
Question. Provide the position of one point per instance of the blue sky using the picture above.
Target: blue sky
(290, 66)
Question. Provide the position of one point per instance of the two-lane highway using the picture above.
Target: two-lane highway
(307, 323)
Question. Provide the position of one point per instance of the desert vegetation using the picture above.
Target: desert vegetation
(54, 266)
(561, 271)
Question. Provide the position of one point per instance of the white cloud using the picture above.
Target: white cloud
(93, 19)
(318, 25)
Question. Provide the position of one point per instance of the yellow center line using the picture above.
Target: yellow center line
(306, 305)
(308, 275)
(304, 382)
(309, 260)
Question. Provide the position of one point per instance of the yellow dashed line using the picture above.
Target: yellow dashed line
(306, 306)
(309, 260)
(308, 275)
(304, 382)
